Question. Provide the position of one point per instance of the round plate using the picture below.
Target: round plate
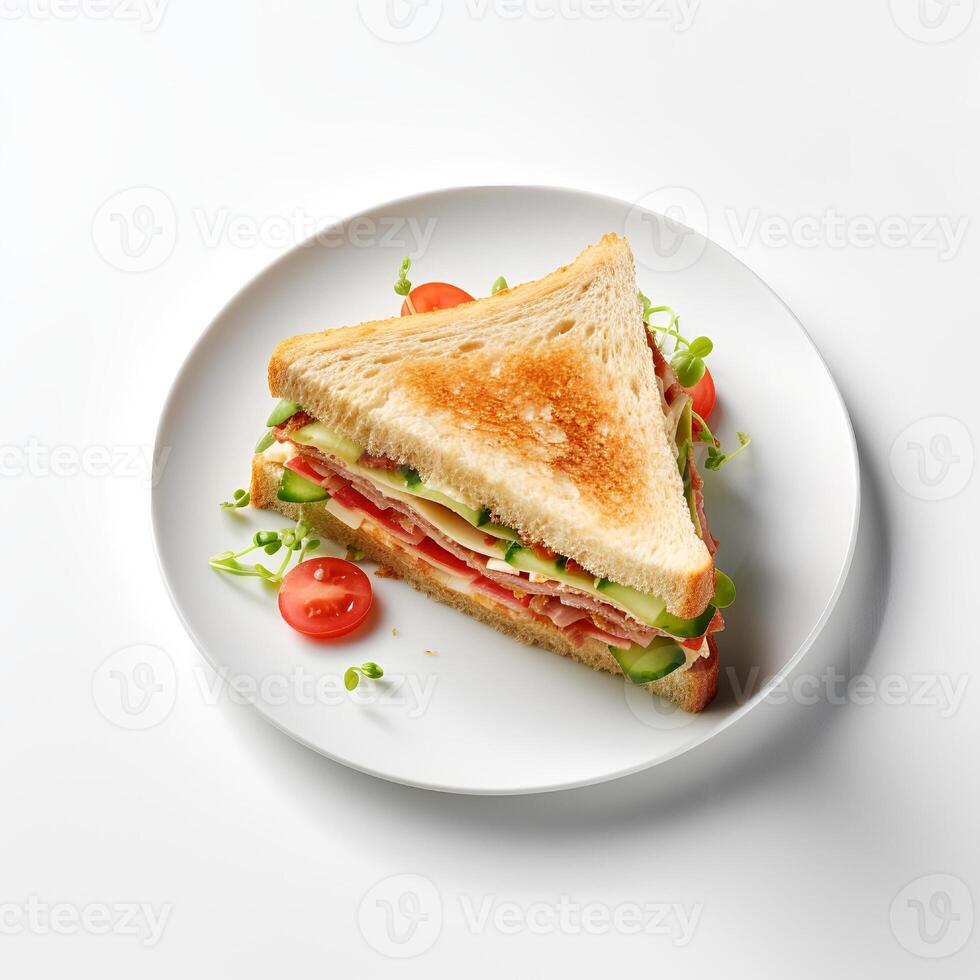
(463, 708)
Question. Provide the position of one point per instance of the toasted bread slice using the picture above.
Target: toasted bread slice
(539, 403)
(691, 689)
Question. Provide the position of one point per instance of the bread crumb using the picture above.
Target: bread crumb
(431, 653)
(386, 573)
(394, 631)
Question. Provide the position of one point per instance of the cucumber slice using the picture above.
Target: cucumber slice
(408, 480)
(298, 490)
(685, 436)
(646, 608)
(499, 531)
(724, 590)
(284, 410)
(692, 504)
(644, 664)
(321, 437)
(527, 561)
(686, 629)
(263, 444)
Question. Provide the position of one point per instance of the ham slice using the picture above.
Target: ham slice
(566, 607)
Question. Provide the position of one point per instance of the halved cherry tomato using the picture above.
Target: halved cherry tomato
(703, 394)
(434, 296)
(325, 597)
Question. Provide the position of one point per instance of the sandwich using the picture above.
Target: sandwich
(527, 458)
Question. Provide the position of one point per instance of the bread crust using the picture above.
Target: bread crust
(540, 403)
(691, 690)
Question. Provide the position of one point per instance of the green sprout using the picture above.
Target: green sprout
(716, 458)
(402, 286)
(240, 498)
(687, 356)
(500, 284)
(352, 676)
(297, 542)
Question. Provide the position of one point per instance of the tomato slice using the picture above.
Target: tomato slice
(325, 597)
(434, 296)
(703, 395)
(299, 465)
(353, 500)
(429, 548)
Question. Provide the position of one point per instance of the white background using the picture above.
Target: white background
(792, 836)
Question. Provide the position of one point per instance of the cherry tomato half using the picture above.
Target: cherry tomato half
(703, 395)
(325, 597)
(434, 296)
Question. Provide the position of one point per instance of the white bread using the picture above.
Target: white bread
(540, 403)
(690, 689)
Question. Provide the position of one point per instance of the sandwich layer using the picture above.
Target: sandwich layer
(690, 687)
(540, 404)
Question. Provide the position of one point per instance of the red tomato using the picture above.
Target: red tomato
(436, 553)
(703, 394)
(434, 296)
(325, 597)
(388, 518)
(299, 465)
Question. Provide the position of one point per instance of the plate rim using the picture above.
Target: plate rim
(774, 681)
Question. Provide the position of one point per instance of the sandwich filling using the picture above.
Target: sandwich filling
(470, 553)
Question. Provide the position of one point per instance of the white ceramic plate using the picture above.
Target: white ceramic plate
(488, 715)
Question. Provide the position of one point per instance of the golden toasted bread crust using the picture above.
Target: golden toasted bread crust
(691, 689)
(540, 404)
(573, 436)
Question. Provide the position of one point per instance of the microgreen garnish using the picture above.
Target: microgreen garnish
(500, 284)
(297, 541)
(716, 458)
(352, 676)
(402, 286)
(354, 554)
(240, 498)
(686, 356)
